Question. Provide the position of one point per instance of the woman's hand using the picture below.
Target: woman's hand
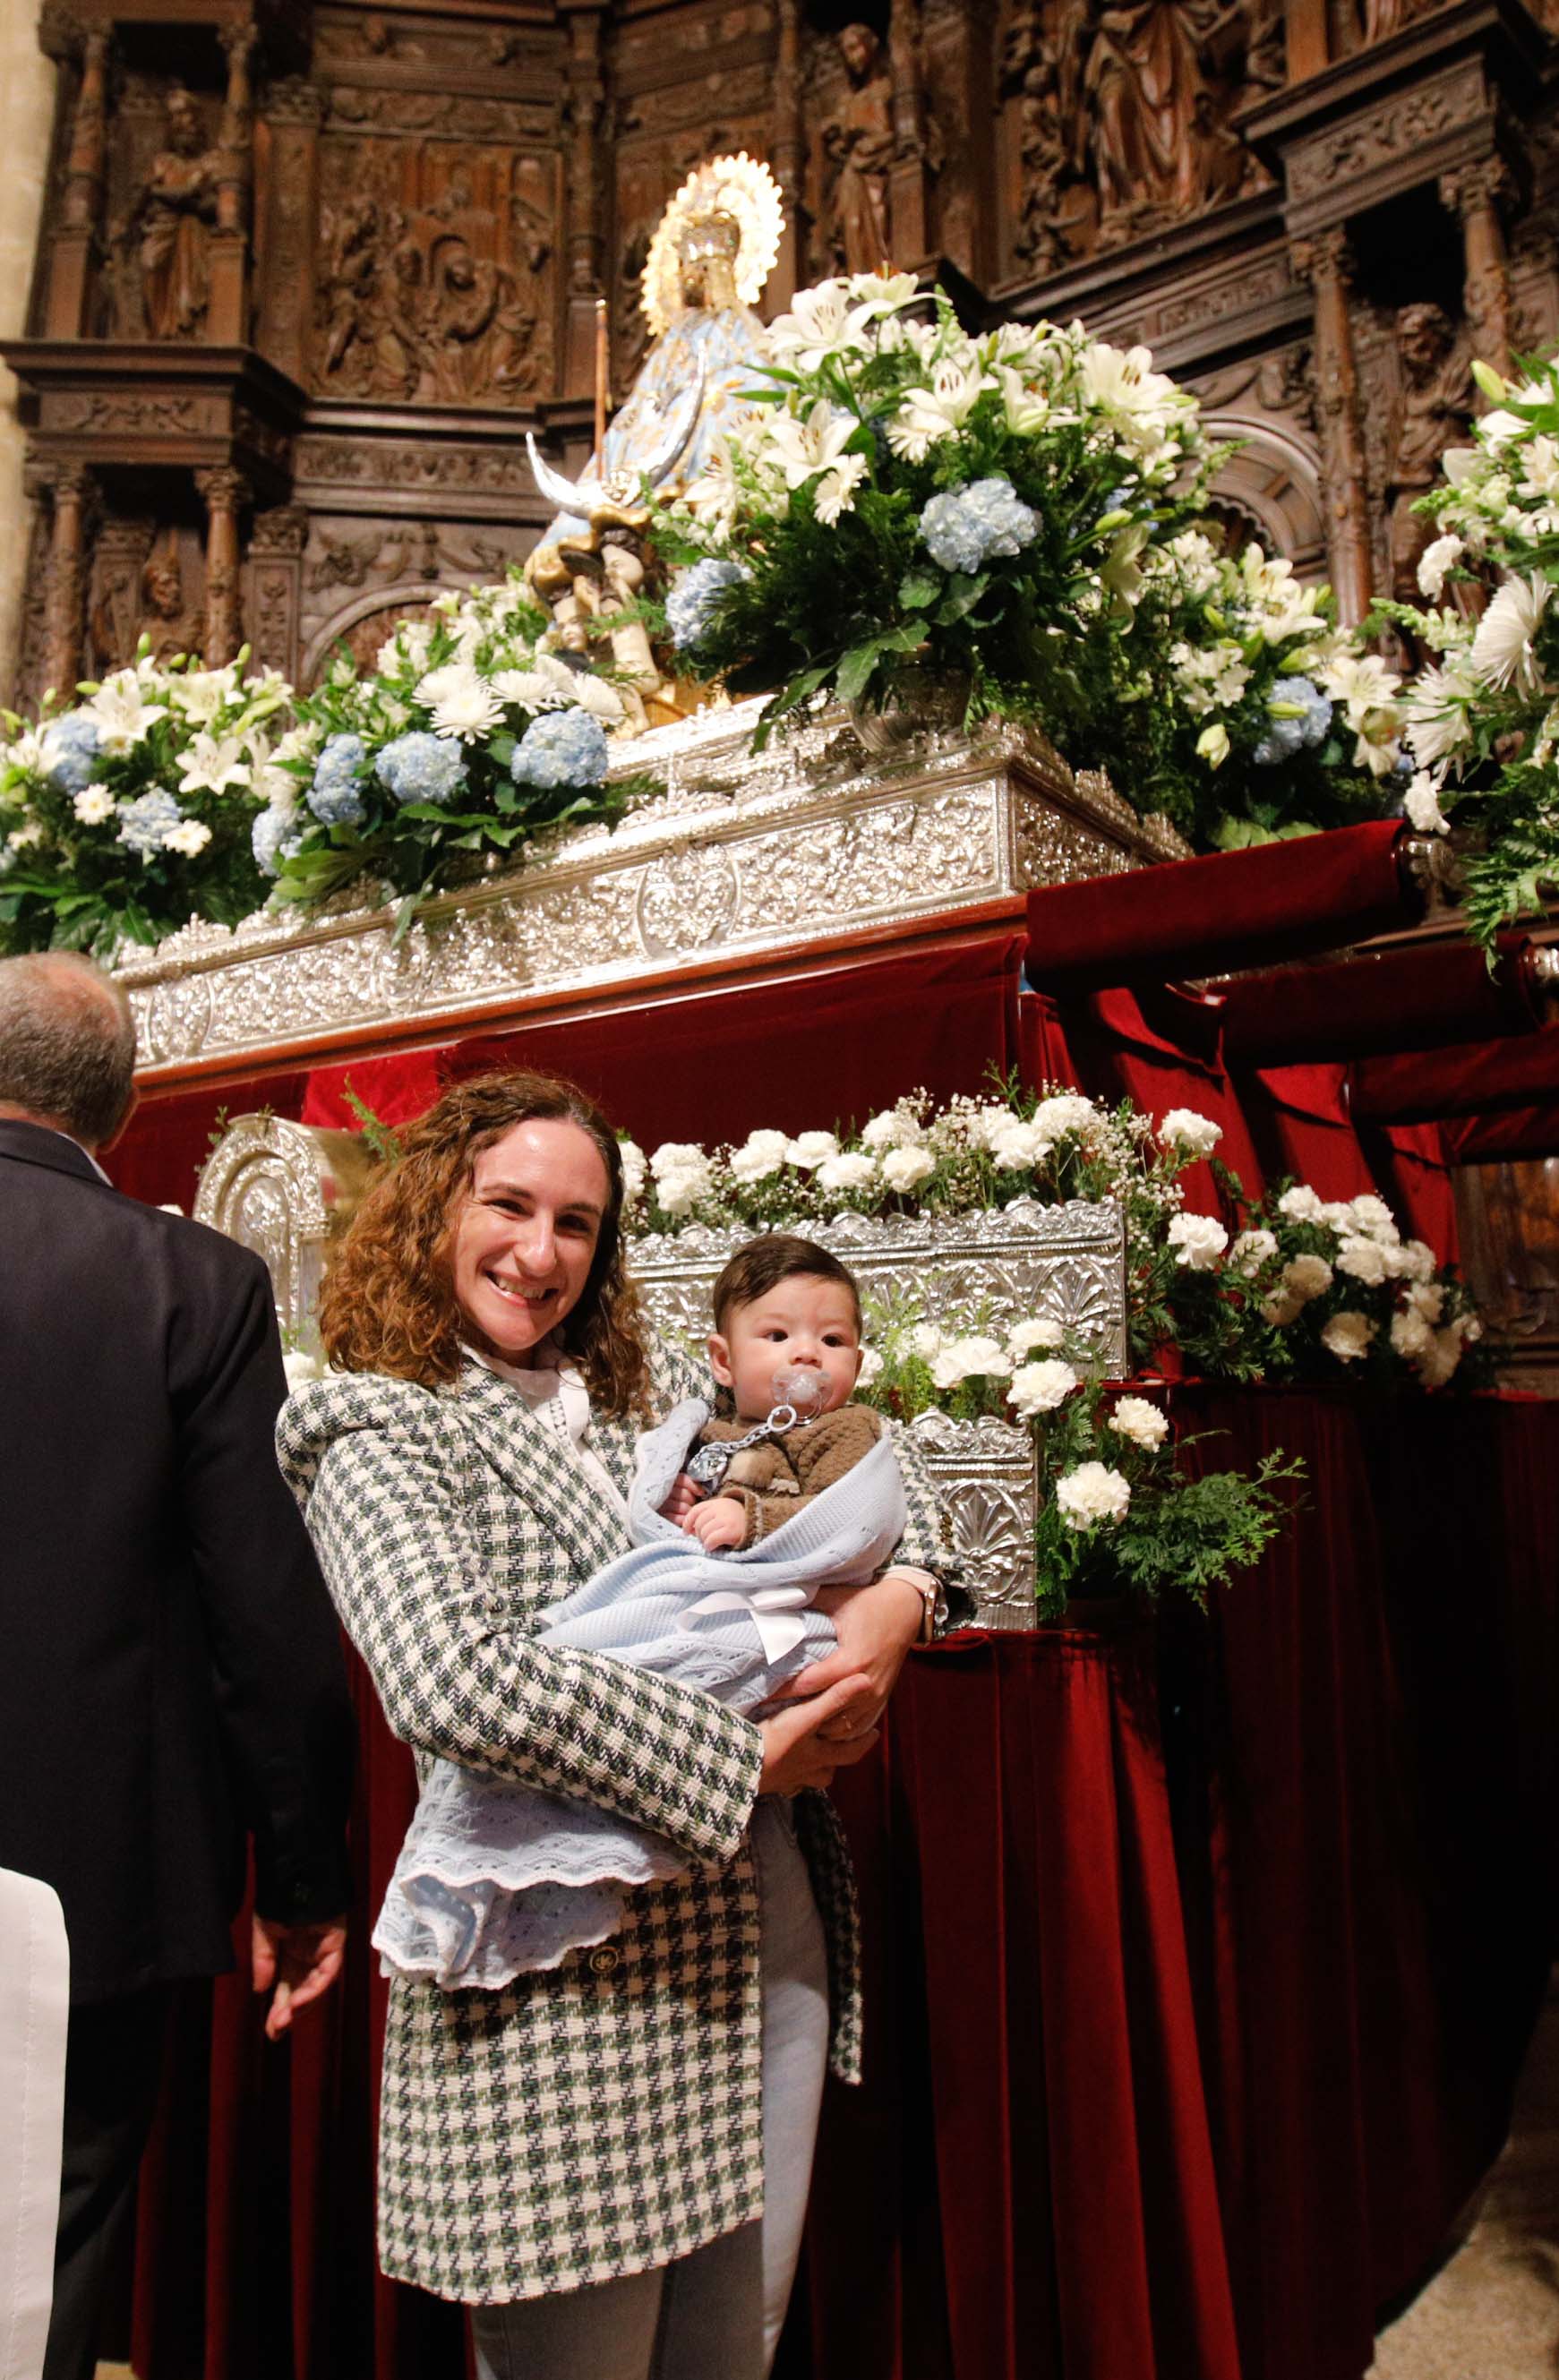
(685, 1494)
(876, 1625)
(796, 1750)
(301, 1962)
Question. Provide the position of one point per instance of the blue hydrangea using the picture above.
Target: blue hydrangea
(146, 823)
(561, 747)
(965, 526)
(71, 747)
(691, 606)
(422, 767)
(1286, 736)
(273, 838)
(334, 797)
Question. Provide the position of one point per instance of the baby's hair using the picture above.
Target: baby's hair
(761, 1265)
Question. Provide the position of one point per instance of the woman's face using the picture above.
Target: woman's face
(526, 1236)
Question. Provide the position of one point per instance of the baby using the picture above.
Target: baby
(787, 1336)
(735, 1526)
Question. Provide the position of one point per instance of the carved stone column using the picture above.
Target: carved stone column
(74, 489)
(225, 492)
(1324, 263)
(1476, 193)
(584, 114)
(1306, 38)
(788, 150)
(275, 562)
(294, 110)
(74, 248)
(908, 213)
(227, 314)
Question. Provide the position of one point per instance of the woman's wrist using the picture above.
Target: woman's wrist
(918, 1592)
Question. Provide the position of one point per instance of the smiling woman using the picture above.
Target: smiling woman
(468, 1464)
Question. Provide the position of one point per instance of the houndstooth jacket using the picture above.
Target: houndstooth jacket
(605, 2116)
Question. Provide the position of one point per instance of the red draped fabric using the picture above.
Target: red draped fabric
(1229, 910)
(1176, 2080)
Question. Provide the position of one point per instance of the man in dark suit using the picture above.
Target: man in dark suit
(171, 1679)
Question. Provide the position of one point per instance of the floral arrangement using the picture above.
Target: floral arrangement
(128, 814)
(1239, 1300)
(1018, 514)
(1117, 1507)
(1481, 719)
(469, 735)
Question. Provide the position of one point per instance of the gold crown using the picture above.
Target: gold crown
(729, 207)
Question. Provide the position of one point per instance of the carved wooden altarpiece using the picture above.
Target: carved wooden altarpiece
(309, 270)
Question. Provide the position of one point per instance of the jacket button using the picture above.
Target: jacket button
(603, 1962)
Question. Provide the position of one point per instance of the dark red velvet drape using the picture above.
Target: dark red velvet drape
(1175, 2082)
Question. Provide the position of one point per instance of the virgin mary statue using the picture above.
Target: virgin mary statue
(713, 252)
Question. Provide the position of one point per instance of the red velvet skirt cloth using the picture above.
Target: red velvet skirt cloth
(1201, 1963)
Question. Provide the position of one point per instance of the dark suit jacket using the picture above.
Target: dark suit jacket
(171, 1674)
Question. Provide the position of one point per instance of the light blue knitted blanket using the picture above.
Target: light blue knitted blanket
(495, 1879)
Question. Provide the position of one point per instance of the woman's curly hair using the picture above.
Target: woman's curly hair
(389, 1302)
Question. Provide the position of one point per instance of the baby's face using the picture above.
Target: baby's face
(801, 1324)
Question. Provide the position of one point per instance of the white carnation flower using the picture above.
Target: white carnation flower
(1410, 1334)
(1198, 1242)
(1372, 1216)
(1040, 1388)
(1421, 805)
(1301, 1204)
(1347, 1335)
(1427, 1298)
(924, 1341)
(964, 1359)
(300, 1367)
(1016, 1147)
(1197, 1135)
(1306, 1277)
(1067, 1111)
(851, 1170)
(1282, 1309)
(635, 1171)
(1090, 1494)
(905, 1169)
(760, 1154)
(1417, 1262)
(1025, 1336)
(894, 1128)
(1135, 1418)
(1363, 1259)
(1251, 1250)
(871, 1367)
(810, 1148)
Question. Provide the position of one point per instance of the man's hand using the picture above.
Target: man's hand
(301, 1960)
(685, 1494)
(718, 1523)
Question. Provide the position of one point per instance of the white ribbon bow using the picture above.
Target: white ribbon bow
(772, 1609)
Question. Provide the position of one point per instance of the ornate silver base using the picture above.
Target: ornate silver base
(742, 857)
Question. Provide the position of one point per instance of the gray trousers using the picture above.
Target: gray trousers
(717, 2313)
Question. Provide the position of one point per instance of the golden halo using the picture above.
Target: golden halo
(738, 186)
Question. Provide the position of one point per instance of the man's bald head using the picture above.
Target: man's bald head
(67, 1045)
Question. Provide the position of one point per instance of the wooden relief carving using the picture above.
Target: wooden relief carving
(164, 205)
(1125, 116)
(437, 273)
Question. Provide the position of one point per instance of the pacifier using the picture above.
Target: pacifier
(798, 1388)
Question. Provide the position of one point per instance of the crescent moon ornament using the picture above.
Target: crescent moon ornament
(581, 498)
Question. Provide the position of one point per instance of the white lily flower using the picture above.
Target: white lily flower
(120, 712)
(213, 765)
(814, 445)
